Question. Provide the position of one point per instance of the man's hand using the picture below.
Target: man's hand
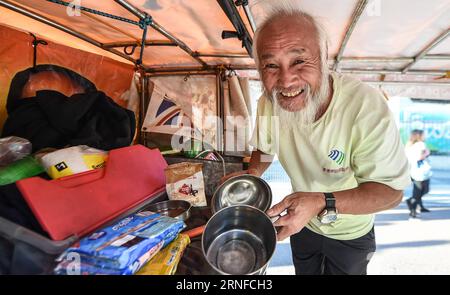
(301, 208)
(249, 171)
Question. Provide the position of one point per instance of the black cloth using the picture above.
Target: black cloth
(314, 254)
(14, 208)
(21, 79)
(52, 119)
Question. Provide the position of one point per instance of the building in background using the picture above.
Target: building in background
(432, 116)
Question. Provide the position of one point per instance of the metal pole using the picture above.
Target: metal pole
(233, 15)
(91, 16)
(424, 51)
(61, 27)
(221, 113)
(175, 70)
(250, 18)
(223, 55)
(392, 59)
(387, 72)
(180, 44)
(355, 17)
(181, 69)
(137, 43)
(141, 109)
(437, 57)
(241, 67)
(412, 83)
(376, 59)
(161, 30)
(200, 73)
(250, 68)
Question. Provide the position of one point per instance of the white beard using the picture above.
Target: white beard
(307, 115)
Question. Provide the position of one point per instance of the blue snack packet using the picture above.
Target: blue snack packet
(81, 266)
(122, 244)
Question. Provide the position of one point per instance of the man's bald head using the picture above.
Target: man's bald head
(285, 17)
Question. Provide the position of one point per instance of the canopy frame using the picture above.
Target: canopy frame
(140, 14)
(427, 49)
(241, 33)
(54, 24)
(229, 7)
(360, 6)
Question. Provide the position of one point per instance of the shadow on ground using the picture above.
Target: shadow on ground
(435, 214)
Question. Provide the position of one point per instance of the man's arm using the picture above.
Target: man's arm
(259, 162)
(425, 154)
(367, 198)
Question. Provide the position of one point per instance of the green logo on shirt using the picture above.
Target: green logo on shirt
(337, 156)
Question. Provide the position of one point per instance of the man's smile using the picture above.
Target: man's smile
(292, 93)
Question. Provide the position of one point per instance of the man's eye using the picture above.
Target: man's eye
(270, 66)
(298, 62)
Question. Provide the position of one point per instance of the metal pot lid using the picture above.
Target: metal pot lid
(243, 189)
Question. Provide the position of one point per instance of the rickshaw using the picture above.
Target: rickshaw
(186, 68)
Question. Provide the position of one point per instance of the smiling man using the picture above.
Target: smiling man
(337, 141)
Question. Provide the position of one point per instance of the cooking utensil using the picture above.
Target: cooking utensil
(243, 189)
(196, 231)
(239, 239)
(178, 209)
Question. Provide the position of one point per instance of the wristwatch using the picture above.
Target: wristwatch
(329, 214)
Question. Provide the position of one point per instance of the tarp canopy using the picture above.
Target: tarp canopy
(394, 43)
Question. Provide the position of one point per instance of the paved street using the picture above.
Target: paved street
(404, 245)
(420, 245)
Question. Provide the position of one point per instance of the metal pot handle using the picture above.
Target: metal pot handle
(275, 218)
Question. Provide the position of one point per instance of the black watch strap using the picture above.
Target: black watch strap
(330, 201)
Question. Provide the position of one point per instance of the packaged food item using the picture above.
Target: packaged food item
(184, 181)
(124, 244)
(165, 262)
(72, 160)
(78, 266)
(23, 168)
(13, 148)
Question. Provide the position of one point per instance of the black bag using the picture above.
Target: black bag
(51, 119)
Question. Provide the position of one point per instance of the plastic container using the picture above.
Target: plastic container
(77, 205)
(32, 253)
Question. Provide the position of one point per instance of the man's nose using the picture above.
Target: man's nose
(287, 78)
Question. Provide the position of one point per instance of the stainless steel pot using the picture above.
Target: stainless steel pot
(243, 189)
(239, 240)
(178, 209)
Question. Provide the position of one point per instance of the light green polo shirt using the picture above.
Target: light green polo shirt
(355, 141)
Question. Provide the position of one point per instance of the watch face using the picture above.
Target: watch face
(328, 217)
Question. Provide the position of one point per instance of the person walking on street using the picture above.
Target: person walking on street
(418, 153)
